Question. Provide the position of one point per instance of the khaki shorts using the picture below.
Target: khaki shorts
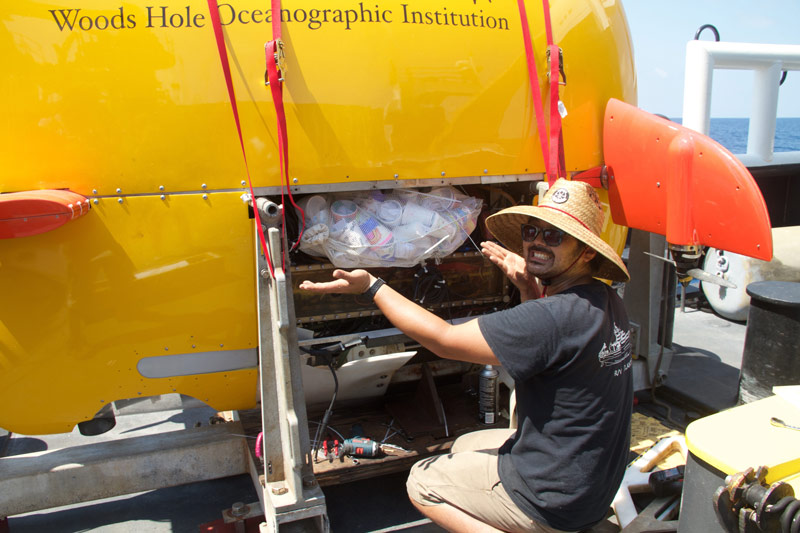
(467, 479)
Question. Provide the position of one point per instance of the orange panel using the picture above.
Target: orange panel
(673, 181)
(23, 214)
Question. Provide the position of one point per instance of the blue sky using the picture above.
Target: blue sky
(661, 28)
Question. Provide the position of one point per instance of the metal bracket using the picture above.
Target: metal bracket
(289, 491)
(280, 61)
(657, 517)
(648, 307)
(746, 503)
(560, 66)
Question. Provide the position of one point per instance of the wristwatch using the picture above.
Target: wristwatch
(373, 289)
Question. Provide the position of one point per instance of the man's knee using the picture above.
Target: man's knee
(484, 439)
(417, 505)
(416, 487)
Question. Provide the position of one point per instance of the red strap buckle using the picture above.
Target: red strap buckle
(560, 66)
(277, 51)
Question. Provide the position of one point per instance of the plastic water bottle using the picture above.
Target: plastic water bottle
(487, 395)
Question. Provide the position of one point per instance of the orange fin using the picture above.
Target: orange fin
(27, 213)
(670, 180)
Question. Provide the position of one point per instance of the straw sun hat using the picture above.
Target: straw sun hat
(572, 206)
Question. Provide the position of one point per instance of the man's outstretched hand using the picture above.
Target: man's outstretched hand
(355, 282)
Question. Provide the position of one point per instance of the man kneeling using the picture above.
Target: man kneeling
(567, 347)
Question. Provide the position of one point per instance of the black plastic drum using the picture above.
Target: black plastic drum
(772, 342)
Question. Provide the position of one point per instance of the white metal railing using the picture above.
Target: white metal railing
(766, 61)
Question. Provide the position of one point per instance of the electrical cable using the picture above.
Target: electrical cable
(328, 355)
(314, 444)
(323, 426)
(429, 286)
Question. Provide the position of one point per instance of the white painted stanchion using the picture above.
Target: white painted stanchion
(766, 61)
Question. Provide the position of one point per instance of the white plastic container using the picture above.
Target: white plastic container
(734, 304)
(315, 209)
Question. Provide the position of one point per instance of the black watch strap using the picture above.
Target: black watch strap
(373, 289)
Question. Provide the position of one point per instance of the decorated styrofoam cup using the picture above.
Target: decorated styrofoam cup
(376, 233)
(343, 210)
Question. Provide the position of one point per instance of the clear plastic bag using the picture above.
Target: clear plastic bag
(398, 228)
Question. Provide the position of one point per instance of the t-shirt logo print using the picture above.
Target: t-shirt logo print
(619, 350)
(560, 196)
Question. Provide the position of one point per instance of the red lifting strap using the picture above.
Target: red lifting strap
(274, 53)
(226, 70)
(274, 50)
(552, 144)
(274, 58)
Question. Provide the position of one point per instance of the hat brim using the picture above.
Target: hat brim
(505, 226)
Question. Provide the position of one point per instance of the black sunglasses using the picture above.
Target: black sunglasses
(552, 237)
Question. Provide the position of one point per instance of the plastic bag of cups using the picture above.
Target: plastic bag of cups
(399, 228)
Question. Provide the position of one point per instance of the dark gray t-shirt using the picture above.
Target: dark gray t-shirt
(570, 357)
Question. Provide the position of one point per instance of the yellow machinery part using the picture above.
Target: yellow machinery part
(612, 233)
(142, 278)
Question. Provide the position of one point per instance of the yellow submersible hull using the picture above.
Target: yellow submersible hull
(153, 290)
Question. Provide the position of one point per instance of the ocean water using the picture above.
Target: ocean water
(732, 134)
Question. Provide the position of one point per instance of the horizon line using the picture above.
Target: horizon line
(712, 118)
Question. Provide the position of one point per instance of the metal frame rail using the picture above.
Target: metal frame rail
(289, 491)
(767, 61)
